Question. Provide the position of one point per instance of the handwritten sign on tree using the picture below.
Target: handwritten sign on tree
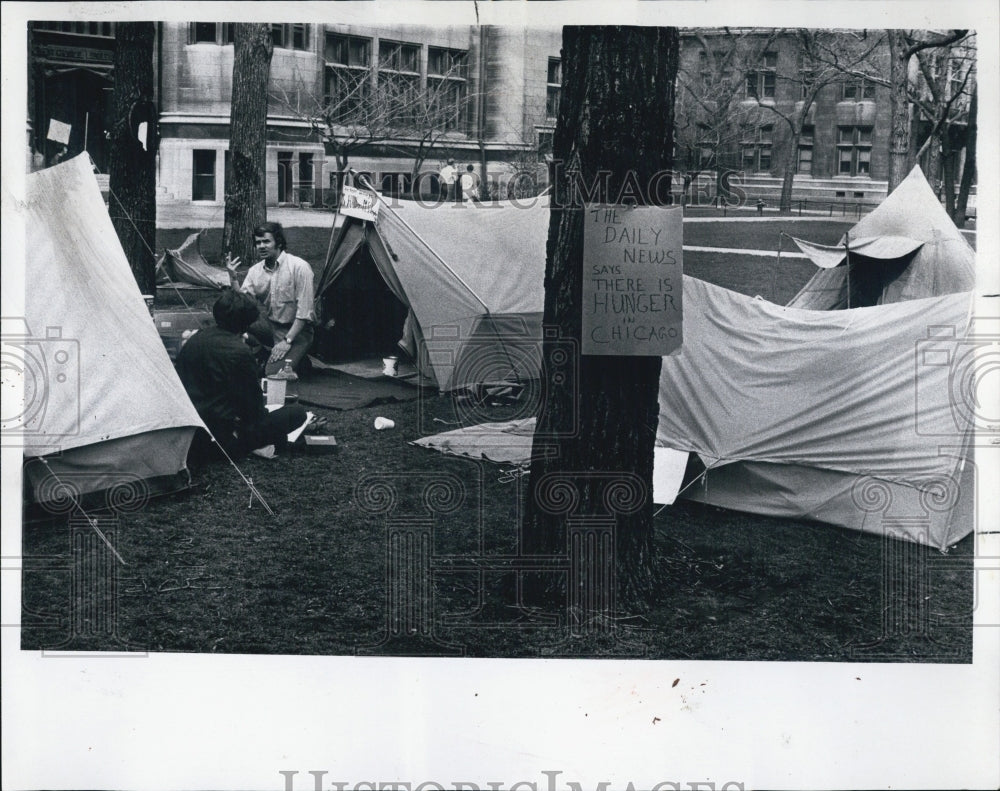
(632, 264)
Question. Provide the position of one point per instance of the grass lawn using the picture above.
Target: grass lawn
(312, 243)
(206, 573)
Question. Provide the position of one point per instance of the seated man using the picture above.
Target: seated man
(282, 284)
(222, 379)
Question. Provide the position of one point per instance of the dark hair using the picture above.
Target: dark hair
(235, 311)
(275, 229)
(469, 167)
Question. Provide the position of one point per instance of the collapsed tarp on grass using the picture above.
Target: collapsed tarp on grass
(334, 389)
(186, 267)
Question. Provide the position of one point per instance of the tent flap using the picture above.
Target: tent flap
(909, 222)
(880, 248)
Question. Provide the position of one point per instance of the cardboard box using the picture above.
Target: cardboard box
(317, 443)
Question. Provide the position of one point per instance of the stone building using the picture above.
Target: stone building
(494, 93)
(738, 90)
(496, 89)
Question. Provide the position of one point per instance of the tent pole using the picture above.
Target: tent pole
(847, 263)
(444, 263)
(777, 266)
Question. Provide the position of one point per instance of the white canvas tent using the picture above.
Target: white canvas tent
(907, 248)
(104, 410)
(470, 277)
(844, 417)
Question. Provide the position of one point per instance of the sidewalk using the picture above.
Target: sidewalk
(178, 214)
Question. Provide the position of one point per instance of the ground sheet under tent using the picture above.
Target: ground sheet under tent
(335, 389)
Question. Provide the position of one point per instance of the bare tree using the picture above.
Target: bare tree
(245, 193)
(903, 45)
(712, 116)
(969, 167)
(363, 107)
(944, 97)
(132, 171)
(824, 58)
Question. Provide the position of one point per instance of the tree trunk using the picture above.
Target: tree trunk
(791, 165)
(616, 122)
(132, 171)
(899, 107)
(969, 168)
(948, 170)
(246, 191)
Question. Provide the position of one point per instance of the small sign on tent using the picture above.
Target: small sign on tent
(632, 269)
(362, 204)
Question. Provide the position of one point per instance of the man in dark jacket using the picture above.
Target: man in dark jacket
(222, 379)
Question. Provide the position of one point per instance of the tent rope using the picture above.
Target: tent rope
(422, 241)
(701, 476)
(254, 492)
(90, 520)
(250, 485)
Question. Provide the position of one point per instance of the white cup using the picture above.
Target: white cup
(274, 390)
(390, 366)
(383, 423)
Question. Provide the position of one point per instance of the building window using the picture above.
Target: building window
(290, 36)
(446, 86)
(553, 88)
(761, 83)
(546, 139)
(204, 32)
(715, 72)
(757, 150)
(211, 33)
(807, 79)
(399, 78)
(854, 150)
(102, 29)
(348, 75)
(286, 177)
(306, 178)
(203, 170)
(859, 89)
(805, 158)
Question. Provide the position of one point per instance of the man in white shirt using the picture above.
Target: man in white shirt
(282, 284)
(446, 179)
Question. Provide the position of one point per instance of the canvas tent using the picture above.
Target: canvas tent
(907, 248)
(469, 278)
(841, 417)
(104, 411)
(844, 417)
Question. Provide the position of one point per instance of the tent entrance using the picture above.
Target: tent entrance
(362, 317)
(870, 277)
